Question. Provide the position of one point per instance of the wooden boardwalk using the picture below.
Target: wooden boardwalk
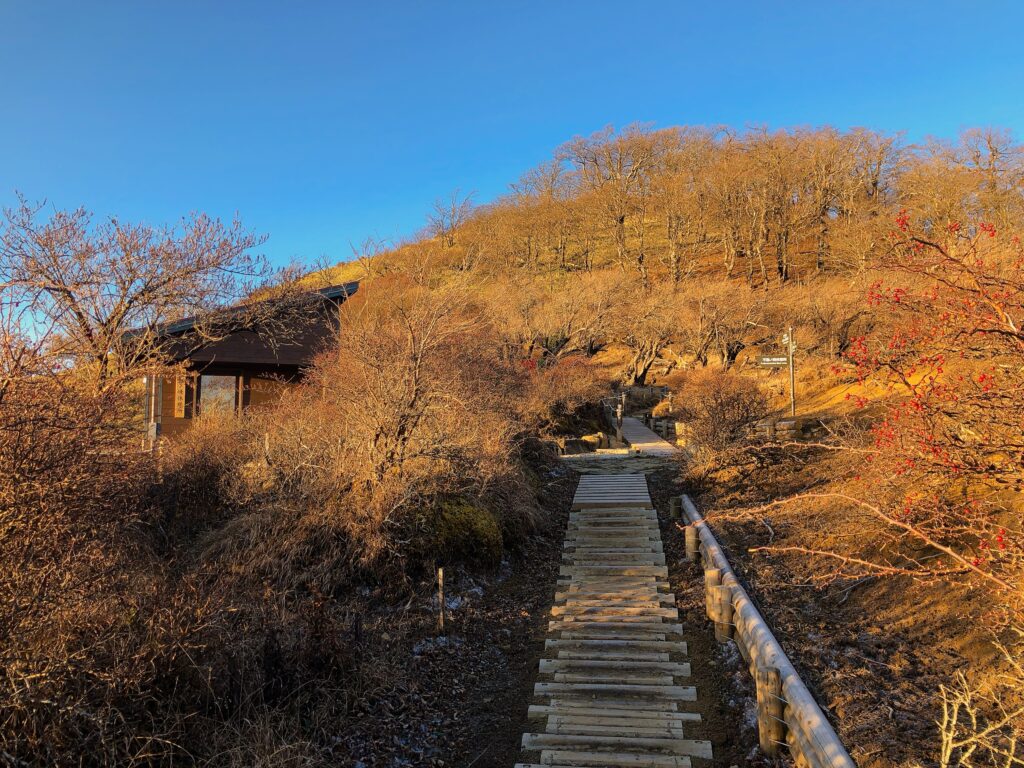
(613, 686)
(641, 439)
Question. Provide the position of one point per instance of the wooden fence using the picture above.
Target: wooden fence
(786, 711)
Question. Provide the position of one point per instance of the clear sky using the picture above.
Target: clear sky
(322, 123)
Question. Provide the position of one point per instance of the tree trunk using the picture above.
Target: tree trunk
(823, 249)
(640, 365)
(730, 350)
(782, 255)
(673, 248)
(620, 239)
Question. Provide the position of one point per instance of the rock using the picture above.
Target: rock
(574, 446)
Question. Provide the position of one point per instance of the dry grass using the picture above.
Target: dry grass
(206, 618)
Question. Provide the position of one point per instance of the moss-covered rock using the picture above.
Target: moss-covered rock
(458, 531)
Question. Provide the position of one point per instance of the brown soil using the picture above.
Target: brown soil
(873, 651)
(460, 700)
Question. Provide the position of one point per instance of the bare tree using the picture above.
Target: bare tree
(448, 215)
(615, 171)
(105, 291)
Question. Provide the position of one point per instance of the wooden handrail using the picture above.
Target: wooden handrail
(811, 736)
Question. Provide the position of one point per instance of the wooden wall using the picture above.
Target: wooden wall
(176, 403)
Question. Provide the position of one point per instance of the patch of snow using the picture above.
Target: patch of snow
(430, 643)
(749, 720)
(454, 603)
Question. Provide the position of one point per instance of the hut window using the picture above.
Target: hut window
(217, 395)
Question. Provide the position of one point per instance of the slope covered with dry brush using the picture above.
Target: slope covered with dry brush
(209, 611)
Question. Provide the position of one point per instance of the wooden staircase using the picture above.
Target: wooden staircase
(613, 689)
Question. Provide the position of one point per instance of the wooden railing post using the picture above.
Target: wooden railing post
(712, 579)
(770, 723)
(675, 508)
(722, 596)
(692, 543)
(440, 600)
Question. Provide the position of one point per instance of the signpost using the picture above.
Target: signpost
(781, 361)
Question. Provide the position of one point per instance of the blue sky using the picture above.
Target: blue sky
(322, 123)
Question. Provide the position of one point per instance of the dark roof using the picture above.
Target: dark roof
(307, 333)
(336, 293)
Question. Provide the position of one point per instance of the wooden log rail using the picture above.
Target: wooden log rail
(784, 703)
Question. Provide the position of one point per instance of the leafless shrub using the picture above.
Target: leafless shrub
(983, 725)
(717, 406)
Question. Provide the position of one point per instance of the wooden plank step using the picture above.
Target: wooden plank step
(585, 584)
(576, 611)
(602, 555)
(610, 531)
(610, 727)
(681, 669)
(645, 706)
(671, 692)
(615, 570)
(625, 730)
(576, 759)
(624, 677)
(613, 549)
(604, 634)
(596, 612)
(606, 597)
(563, 759)
(613, 655)
(635, 481)
(665, 646)
(646, 606)
(588, 541)
(577, 709)
(585, 504)
(618, 628)
(624, 496)
(615, 598)
(597, 539)
(590, 582)
(593, 542)
(612, 594)
(687, 747)
(613, 517)
(604, 618)
(648, 602)
(585, 558)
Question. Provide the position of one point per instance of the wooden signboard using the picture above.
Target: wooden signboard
(773, 361)
(179, 397)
